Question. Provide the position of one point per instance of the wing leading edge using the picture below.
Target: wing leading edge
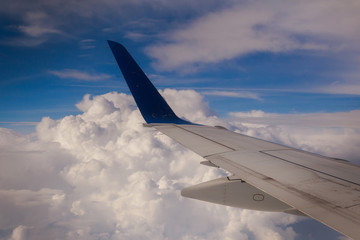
(269, 176)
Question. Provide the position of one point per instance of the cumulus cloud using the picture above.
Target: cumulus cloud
(79, 75)
(260, 27)
(102, 175)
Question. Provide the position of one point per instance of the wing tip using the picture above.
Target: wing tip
(113, 43)
(151, 104)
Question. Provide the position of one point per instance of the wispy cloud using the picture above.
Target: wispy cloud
(87, 43)
(232, 94)
(352, 88)
(79, 75)
(339, 119)
(88, 40)
(38, 24)
(266, 27)
(37, 27)
(136, 36)
(36, 30)
(20, 123)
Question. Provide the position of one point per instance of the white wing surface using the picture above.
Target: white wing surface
(266, 176)
(325, 189)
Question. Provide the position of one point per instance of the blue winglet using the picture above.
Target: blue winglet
(152, 105)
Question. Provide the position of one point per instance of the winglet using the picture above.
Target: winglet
(152, 105)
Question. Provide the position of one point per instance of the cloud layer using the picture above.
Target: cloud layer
(261, 27)
(330, 134)
(186, 36)
(102, 175)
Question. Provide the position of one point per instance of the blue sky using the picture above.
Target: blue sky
(284, 71)
(281, 58)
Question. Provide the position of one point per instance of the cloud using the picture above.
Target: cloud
(20, 123)
(205, 31)
(41, 21)
(19, 233)
(87, 44)
(135, 36)
(340, 87)
(349, 119)
(101, 174)
(195, 110)
(79, 75)
(260, 27)
(330, 134)
(233, 94)
(37, 27)
(36, 31)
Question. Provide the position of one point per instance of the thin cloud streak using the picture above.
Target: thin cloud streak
(233, 94)
(79, 75)
(349, 88)
(87, 44)
(20, 123)
(349, 119)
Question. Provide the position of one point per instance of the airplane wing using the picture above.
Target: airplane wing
(266, 176)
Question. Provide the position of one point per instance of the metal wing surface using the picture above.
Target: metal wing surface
(323, 188)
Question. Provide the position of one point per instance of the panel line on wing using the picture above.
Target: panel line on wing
(233, 149)
(197, 143)
(310, 168)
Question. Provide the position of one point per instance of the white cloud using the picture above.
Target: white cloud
(195, 110)
(349, 119)
(347, 87)
(42, 21)
(88, 40)
(241, 94)
(101, 174)
(79, 75)
(36, 31)
(135, 36)
(38, 24)
(20, 123)
(261, 26)
(36, 28)
(330, 134)
(87, 44)
(19, 233)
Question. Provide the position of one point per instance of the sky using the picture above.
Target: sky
(76, 162)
